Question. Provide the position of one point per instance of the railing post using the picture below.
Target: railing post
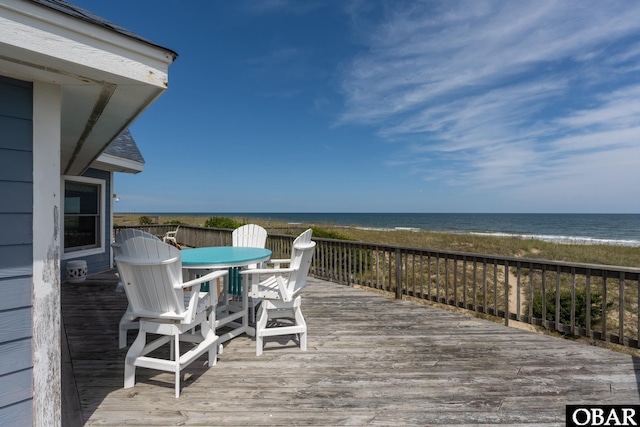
(506, 293)
(621, 309)
(398, 274)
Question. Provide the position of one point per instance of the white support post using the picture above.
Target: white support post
(47, 222)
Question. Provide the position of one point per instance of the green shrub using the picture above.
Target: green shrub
(328, 234)
(145, 220)
(222, 222)
(565, 306)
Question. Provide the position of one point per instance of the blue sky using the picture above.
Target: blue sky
(388, 106)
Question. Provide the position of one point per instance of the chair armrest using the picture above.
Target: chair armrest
(206, 278)
(269, 270)
(277, 262)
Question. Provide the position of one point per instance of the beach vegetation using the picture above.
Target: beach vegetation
(580, 313)
(323, 233)
(223, 222)
(145, 220)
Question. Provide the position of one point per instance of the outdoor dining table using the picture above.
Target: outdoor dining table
(198, 260)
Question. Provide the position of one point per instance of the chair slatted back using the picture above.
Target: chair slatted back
(149, 269)
(128, 233)
(301, 257)
(250, 236)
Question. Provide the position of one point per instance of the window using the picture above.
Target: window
(83, 215)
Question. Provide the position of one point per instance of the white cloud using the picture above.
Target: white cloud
(280, 6)
(503, 94)
(618, 109)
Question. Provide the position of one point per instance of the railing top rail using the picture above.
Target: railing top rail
(500, 259)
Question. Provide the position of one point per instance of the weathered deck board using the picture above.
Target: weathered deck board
(371, 360)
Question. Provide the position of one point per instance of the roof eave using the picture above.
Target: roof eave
(109, 162)
(107, 79)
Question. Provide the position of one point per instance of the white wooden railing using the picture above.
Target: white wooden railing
(596, 301)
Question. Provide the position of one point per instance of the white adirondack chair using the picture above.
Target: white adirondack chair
(252, 236)
(170, 236)
(165, 305)
(280, 293)
(128, 320)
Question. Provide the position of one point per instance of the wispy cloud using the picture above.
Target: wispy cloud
(502, 94)
(279, 6)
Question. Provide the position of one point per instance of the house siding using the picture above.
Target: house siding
(16, 251)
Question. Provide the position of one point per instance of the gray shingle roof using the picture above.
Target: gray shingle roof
(125, 147)
(72, 10)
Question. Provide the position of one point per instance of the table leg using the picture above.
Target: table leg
(228, 315)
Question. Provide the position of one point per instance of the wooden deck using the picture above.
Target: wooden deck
(371, 360)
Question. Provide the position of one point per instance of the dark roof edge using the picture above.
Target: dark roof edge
(79, 13)
(125, 147)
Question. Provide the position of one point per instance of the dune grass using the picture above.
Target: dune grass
(489, 245)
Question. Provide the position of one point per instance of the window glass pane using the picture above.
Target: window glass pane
(81, 198)
(80, 232)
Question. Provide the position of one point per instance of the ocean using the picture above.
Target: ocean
(608, 229)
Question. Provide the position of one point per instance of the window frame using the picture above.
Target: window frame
(100, 248)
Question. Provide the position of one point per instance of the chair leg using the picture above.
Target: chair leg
(176, 357)
(300, 322)
(261, 324)
(207, 331)
(134, 352)
(123, 331)
(126, 322)
(254, 305)
(122, 337)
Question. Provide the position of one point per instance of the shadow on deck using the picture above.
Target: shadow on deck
(371, 360)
